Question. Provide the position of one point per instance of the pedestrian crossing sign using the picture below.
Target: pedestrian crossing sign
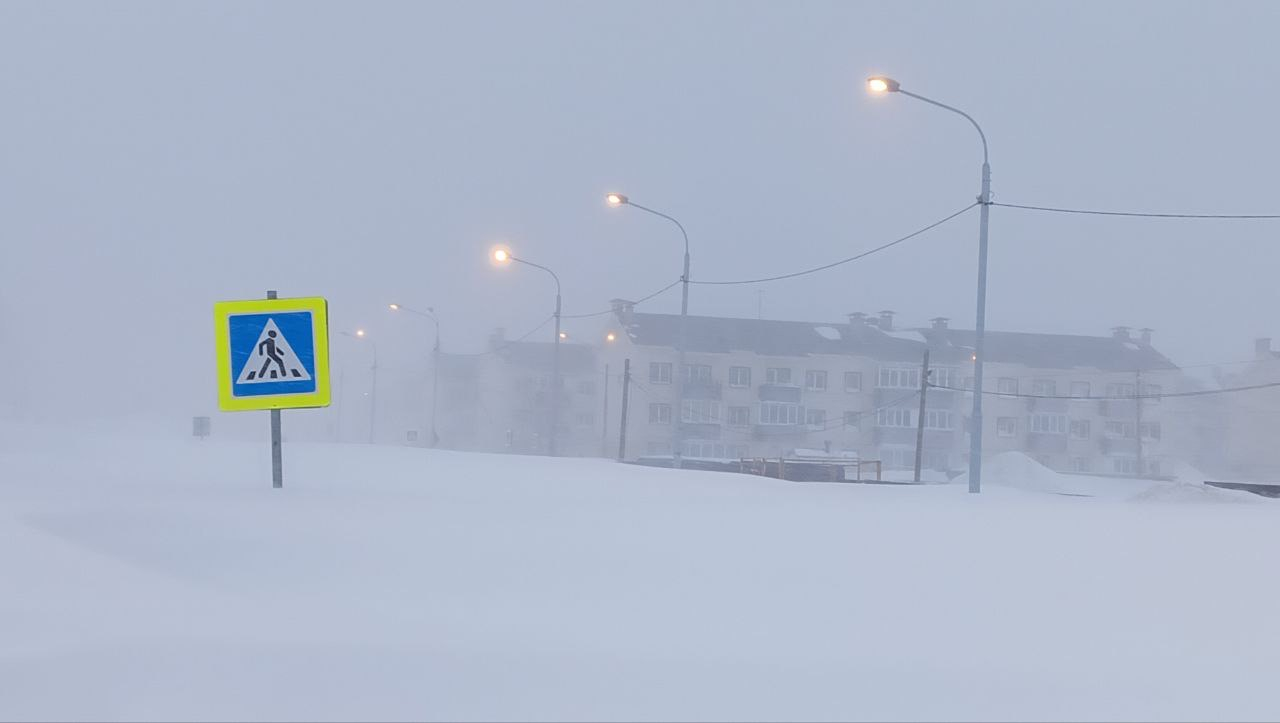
(272, 353)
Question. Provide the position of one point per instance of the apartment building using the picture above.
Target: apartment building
(755, 388)
(1252, 418)
(500, 400)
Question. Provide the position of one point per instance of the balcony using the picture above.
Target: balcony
(1046, 443)
(895, 435)
(1113, 445)
(779, 393)
(700, 430)
(702, 389)
(891, 395)
(775, 431)
(1048, 406)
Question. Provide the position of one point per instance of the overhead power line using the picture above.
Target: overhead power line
(1140, 214)
(834, 264)
(637, 302)
(510, 343)
(1122, 397)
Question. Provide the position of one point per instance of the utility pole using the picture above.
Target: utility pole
(1137, 411)
(924, 389)
(555, 381)
(626, 393)
(604, 417)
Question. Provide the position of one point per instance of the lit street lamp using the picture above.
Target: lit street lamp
(430, 313)
(373, 387)
(881, 84)
(502, 256)
(677, 440)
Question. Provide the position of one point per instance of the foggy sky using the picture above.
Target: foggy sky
(158, 157)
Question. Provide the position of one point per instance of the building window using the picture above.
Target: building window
(705, 449)
(1007, 385)
(586, 419)
(1119, 390)
(1118, 430)
(739, 416)
(697, 372)
(937, 419)
(700, 411)
(779, 413)
(1044, 387)
(1125, 465)
(899, 378)
(777, 375)
(1079, 464)
(1150, 431)
(893, 418)
(852, 420)
(933, 459)
(815, 418)
(1006, 426)
(587, 387)
(739, 376)
(658, 448)
(898, 457)
(659, 372)
(946, 377)
(853, 381)
(1049, 423)
(659, 413)
(1152, 393)
(1080, 429)
(815, 380)
(1080, 389)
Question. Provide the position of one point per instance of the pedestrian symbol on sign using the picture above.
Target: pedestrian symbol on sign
(272, 360)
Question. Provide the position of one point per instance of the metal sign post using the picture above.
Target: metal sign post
(272, 355)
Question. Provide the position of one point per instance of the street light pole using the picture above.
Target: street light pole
(430, 313)
(502, 256)
(881, 84)
(373, 389)
(677, 431)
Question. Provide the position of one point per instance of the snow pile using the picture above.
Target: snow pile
(1194, 492)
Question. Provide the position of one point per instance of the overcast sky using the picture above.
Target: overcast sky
(157, 157)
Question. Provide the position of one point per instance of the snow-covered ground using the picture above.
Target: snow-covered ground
(149, 576)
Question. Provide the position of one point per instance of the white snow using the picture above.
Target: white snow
(155, 577)
(828, 332)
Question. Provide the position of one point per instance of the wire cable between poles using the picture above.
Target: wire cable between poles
(834, 264)
(1139, 214)
(637, 302)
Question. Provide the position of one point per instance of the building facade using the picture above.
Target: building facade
(762, 388)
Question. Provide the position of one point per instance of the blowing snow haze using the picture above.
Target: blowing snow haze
(516, 437)
(158, 157)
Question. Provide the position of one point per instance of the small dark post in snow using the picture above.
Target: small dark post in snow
(622, 429)
(1137, 412)
(924, 388)
(604, 419)
(277, 464)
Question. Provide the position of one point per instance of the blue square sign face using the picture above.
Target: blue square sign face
(272, 354)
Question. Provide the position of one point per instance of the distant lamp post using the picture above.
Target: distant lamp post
(502, 256)
(373, 388)
(677, 433)
(430, 313)
(610, 336)
(879, 84)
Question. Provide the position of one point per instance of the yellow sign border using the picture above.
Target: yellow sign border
(319, 309)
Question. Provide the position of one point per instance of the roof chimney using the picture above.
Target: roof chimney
(1262, 348)
(623, 309)
(939, 322)
(886, 321)
(496, 338)
(1146, 335)
(1120, 332)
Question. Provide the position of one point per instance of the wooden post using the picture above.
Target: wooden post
(626, 393)
(924, 389)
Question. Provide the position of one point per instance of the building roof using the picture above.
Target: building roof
(574, 358)
(1058, 351)
(770, 338)
(801, 338)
